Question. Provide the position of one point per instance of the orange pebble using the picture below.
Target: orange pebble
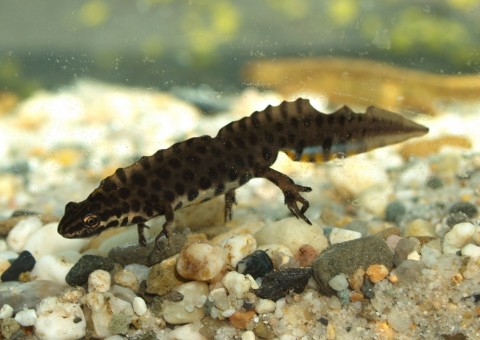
(241, 319)
(377, 272)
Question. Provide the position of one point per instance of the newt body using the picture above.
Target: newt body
(201, 168)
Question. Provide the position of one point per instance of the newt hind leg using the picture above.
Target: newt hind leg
(290, 190)
(229, 201)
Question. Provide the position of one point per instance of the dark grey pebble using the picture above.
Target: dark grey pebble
(257, 264)
(465, 207)
(358, 226)
(394, 211)
(367, 289)
(149, 255)
(323, 321)
(78, 274)
(277, 285)
(409, 271)
(23, 263)
(456, 218)
(434, 182)
(405, 247)
(346, 257)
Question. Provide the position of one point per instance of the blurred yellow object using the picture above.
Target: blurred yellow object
(8, 100)
(349, 81)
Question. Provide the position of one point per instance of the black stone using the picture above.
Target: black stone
(367, 289)
(465, 207)
(434, 182)
(394, 211)
(78, 274)
(456, 218)
(257, 264)
(277, 285)
(23, 263)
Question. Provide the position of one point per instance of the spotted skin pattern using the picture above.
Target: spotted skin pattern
(200, 168)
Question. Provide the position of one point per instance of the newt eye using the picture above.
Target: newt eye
(91, 220)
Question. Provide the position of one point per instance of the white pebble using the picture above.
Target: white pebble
(471, 250)
(339, 235)
(430, 256)
(59, 320)
(456, 238)
(355, 175)
(338, 282)
(292, 233)
(18, 236)
(26, 317)
(3, 245)
(47, 240)
(139, 306)
(280, 254)
(190, 309)
(55, 267)
(248, 335)
(140, 271)
(8, 255)
(201, 261)
(399, 320)
(236, 284)
(190, 332)
(238, 246)
(415, 175)
(127, 279)
(6, 312)
(220, 299)
(123, 293)
(115, 337)
(263, 306)
(99, 281)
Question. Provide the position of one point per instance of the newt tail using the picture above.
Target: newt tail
(202, 168)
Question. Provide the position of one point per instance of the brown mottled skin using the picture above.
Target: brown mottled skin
(201, 168)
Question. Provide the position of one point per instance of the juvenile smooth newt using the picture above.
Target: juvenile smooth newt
(201, 168)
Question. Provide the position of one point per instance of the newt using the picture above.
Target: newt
(201, 168)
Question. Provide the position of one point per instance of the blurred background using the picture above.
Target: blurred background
(161, 44)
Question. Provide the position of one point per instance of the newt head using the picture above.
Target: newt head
(80, 220)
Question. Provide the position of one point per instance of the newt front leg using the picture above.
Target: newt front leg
(290, 190)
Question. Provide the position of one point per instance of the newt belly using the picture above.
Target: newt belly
(201, 168)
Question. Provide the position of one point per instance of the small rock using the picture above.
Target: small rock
(190, 308)
(201, 261)
(238, 246)
(471, 250)
(99, 281)
(26, 317)
(456, 238)
(126, 278)
(419, 227)
(265, 306)
(430, 255)
(55, 267)
(281, 255)
(409, 271)
(20, 233)
(338, 282)
(434, 182)
(6, 311)
(456, 218)
(395, 211)
(306, 255)
(404, 249)
(347, 257)
(376, 272)
(292, 233)
(59, 320)
(163, 277)
(240, 320)
(339, 235)
(78, 275)
(257, 264)
(139, 306)
(220, 299)
(465, 207)
(399, 320)
(23, 263)
(236, 284)
(358, 226)
(47, 241)
(367, 289)
(278, 284)
(356, 279)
